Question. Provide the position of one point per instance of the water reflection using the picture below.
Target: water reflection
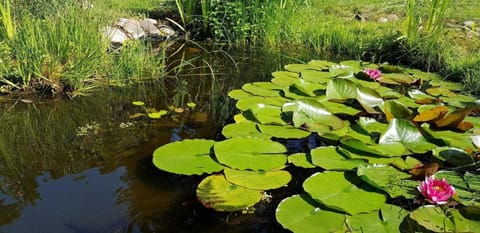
(84, 165)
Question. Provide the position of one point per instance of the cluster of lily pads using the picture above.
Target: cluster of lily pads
(373, 132)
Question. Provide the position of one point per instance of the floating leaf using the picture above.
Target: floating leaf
(251, 153)
(314, 115)
(422, 170)
(448, 85)
(441, 91)
(261, 180)
(157, 115)
(355, 144)
(238, 94)
(242, 129)
(341, 89)
(317, 76)
(343, 192)
(299, 213)
(297, 68)
(452, 155)
(191, 104)
(187, 157)
(247, 103)
(371, 125)
(397, 78)
(265, 114)
(450, 138)
(216, 192)
(307, 88)
(330, 159)
(419, 95)
(136, 115)
(454, 118)
(300, 160)
(284, 78)
(466, 187)
(432, 114)
(395, 109)
(368, 98)
(388, 179)
(138, 103)
(405, 132)
(266, 89)
(388, 219)
(287, 132)
(322, 64)
(439, 219)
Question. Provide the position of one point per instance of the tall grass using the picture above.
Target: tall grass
(7, 31)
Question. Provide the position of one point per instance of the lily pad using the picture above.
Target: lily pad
(138, 103)
(369, 99)
(238, 94)
(439, 219)
(300, 160)
(388, 219)
(452, 155)
(287, 132)
(317, 76)
(261, 180)
(187, 157)
(242, 129)
(341, 89)
(262, 89)
(297, 68)
(251, 153)
(405, 132)
(314, 115)
(299, 213)
(330, 159)
(395, 109)
(216, 192)
(343, 192)
(388, 179)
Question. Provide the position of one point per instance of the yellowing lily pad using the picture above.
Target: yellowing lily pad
(216, 192)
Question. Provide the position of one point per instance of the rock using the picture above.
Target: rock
(392, 17)
(131, 27)
(166, 31)
(114, 34)
(382, 20)
(149, 26)
(469, 23)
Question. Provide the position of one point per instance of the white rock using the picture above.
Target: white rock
(148, 25)
(383, 20)
(133, 29)
(114, 34)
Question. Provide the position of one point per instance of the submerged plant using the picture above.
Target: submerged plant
(437, 191)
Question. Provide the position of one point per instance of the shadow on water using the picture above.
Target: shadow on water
(84, 165)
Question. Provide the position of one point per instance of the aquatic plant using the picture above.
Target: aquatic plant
(367, 142)
(435, 190)
(8, 24)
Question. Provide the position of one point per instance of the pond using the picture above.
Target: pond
(85, 165)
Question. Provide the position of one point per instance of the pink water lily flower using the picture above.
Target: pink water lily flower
(373, 74)
(437, 191)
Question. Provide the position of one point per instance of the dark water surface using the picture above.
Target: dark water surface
(84, 165)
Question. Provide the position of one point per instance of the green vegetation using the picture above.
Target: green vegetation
(423, 34)
(369, 134)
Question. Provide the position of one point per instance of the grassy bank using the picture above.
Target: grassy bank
(429, 34)
(58, 47)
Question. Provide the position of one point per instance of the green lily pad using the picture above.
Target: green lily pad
(452, 155)
(450, 138)
(284, 78)
(388, 179)
(388, 219)
(307, 88)
(371, 125)
(355, 144)
(247, 103)
(369, 99)
(300, 160)
(138, 103)
(322, 64)
(216, 192)
(287, 132)
(445, 84)
(298, 68)
(317, 76)
(238, 94)
(313, 115)
(187, 157)
(343, 192)
(400, 78)
(266, 89)
(338, 108)
(341, 89)
(242, 129)
(395, 109)
(299, 213)
(261, 180)
(265, 114)
(157, 115)
(441, 91)
(251, 153)
(438, 219)
(329, 158)
(405, 132)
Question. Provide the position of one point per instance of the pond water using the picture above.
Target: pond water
(84, 165)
